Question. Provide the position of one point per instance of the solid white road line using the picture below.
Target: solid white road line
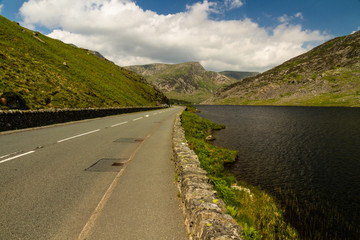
(63, 140)
(115, 125)
(17, 156)
(137, 118)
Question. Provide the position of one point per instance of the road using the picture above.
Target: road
(107, 178)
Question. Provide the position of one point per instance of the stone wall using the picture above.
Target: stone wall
(205, 214)
(18, 119)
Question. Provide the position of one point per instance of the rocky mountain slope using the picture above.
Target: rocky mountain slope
(238, 75)
(39, 72)
(328, 75)
(186, 81)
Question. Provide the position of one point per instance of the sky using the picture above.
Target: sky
(239, 35)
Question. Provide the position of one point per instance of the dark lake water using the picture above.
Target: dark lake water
(307, 157)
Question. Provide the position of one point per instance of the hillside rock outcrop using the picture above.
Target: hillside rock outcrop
(186, 81)
(327, 75)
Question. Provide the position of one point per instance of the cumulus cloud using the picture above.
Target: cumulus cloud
(231, 4)
(129, 35)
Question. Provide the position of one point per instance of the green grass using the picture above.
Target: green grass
(344, 83)
(334, 100)
(32, 69)
(293, 77)
(256, 211)
(350, 99)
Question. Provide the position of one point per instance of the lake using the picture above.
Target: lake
(306, 157)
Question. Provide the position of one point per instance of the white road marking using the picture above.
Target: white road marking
(17, 156)
(147, 115)
(137, 118)
(63, 140)
(115, 125)
(6, 155)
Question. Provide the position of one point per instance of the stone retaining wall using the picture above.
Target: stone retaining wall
(18, 119)
(205, 214)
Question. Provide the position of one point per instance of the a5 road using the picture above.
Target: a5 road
(107, 178)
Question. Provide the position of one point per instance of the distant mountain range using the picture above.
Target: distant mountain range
(38, 72)
(328, 75)
(188, 81)
(237, 75)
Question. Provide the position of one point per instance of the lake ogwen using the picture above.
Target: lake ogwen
(307, 157)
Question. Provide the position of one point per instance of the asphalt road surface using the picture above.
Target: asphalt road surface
(107, 178)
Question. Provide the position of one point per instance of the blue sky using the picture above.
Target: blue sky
(337, 17)
(222, 35)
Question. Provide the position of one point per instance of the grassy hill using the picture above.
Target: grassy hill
(185, 81)
(328, 75)
(39, 72)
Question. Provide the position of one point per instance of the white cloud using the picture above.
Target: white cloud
(231, 4)
(358, 29)
(128, 35)
(287, 19)
(1, 7)
(299, 15)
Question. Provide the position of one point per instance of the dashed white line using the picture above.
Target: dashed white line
(115, 125)
(63, 140)
(147, 115)
(17, 156)
(137, 118)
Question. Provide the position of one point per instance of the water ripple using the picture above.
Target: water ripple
(308, 157)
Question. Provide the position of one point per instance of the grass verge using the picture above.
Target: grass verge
(256, 211)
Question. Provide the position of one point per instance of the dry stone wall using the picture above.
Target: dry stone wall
(18, 119)
(205, 214)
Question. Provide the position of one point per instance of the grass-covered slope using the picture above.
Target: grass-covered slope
(328, 75)
(39, 72)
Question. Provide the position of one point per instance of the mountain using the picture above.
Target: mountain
(39, 72)
(328, 75)
(238, 75)
(186, 81)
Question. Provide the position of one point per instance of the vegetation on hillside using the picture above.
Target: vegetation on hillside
(328, 75)
(238, 75)
(260, 216)
(188, 82)
(39, 72)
